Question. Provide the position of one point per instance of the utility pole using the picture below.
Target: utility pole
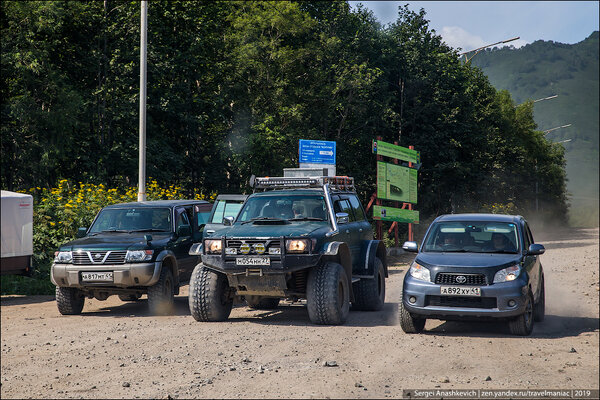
(143, 51)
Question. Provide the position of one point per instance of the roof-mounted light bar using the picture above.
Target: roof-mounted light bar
(279, 182)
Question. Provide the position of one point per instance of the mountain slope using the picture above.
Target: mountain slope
(542, 69)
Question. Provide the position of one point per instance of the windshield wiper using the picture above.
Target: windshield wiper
(306, 219)
(115, 230)
(148, 230)
(502, 251)
(262, 219)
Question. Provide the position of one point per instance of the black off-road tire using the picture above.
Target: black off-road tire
(262, 303)
(328, 294)
(408, 322)
(539, 311)
(209, 295)
(129, 297)
(523, 324)
(369, 294)
(161, 296)
(69, 300)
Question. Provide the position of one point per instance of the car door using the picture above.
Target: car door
(182, 244)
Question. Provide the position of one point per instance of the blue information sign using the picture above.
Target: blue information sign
(317, 152)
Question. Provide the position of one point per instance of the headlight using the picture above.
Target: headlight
(213, 246)
(507, 274)
(138, 255)
(196, 249)
(419, 272)
(297, 245)
(63, 257)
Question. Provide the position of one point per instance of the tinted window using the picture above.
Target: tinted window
(182, 218)
(528, 237)
(343, 206)
(357, 207)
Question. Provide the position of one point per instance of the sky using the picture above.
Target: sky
(472, 24)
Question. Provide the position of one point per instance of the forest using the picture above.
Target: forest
(233, 86)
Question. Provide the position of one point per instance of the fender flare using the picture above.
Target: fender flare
(370, 250)
(162, 256)
(339, 252)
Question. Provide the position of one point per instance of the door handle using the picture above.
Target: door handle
(210, 232)
(360, 230)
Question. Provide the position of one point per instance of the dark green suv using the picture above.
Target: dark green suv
(131, 249)
(301, 238)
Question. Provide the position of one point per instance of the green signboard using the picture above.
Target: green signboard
(393, 151)
(384, 213)
(395, 182)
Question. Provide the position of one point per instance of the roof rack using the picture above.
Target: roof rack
(342, 183)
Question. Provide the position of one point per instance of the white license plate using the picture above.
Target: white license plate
(460, 291)
(97, 276)
(252, 261)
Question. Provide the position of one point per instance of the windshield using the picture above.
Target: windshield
(288, 208)
(133, 219)
(473, 237)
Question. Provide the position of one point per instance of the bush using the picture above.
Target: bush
(59, 212)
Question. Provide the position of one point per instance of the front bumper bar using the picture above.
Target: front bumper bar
(124, 275)
(278, 264)
(502, 292)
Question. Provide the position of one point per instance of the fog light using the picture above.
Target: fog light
(512, 303)
(412, 299)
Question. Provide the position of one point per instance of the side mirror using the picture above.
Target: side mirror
(410, 247)
(184, 230)
(228, 221)
(342, 218)
(535, 249)
(81, 232)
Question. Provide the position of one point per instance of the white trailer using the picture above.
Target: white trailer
(17, 233)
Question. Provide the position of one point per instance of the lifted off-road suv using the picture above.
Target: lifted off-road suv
(299, 238)
(131, 249)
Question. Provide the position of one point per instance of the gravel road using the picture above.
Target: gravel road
(116, 350)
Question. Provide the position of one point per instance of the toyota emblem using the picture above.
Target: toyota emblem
(461, 279)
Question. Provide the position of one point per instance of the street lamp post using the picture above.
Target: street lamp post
(547, 131)
(467, 59)
(546, 98)
(143, 52)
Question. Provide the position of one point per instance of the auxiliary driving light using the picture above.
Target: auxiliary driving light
(412, 299)
(245, 248)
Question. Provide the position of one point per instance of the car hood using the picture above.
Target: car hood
(116, 241)
(293, 229)
(467, 259)
(469, 263)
